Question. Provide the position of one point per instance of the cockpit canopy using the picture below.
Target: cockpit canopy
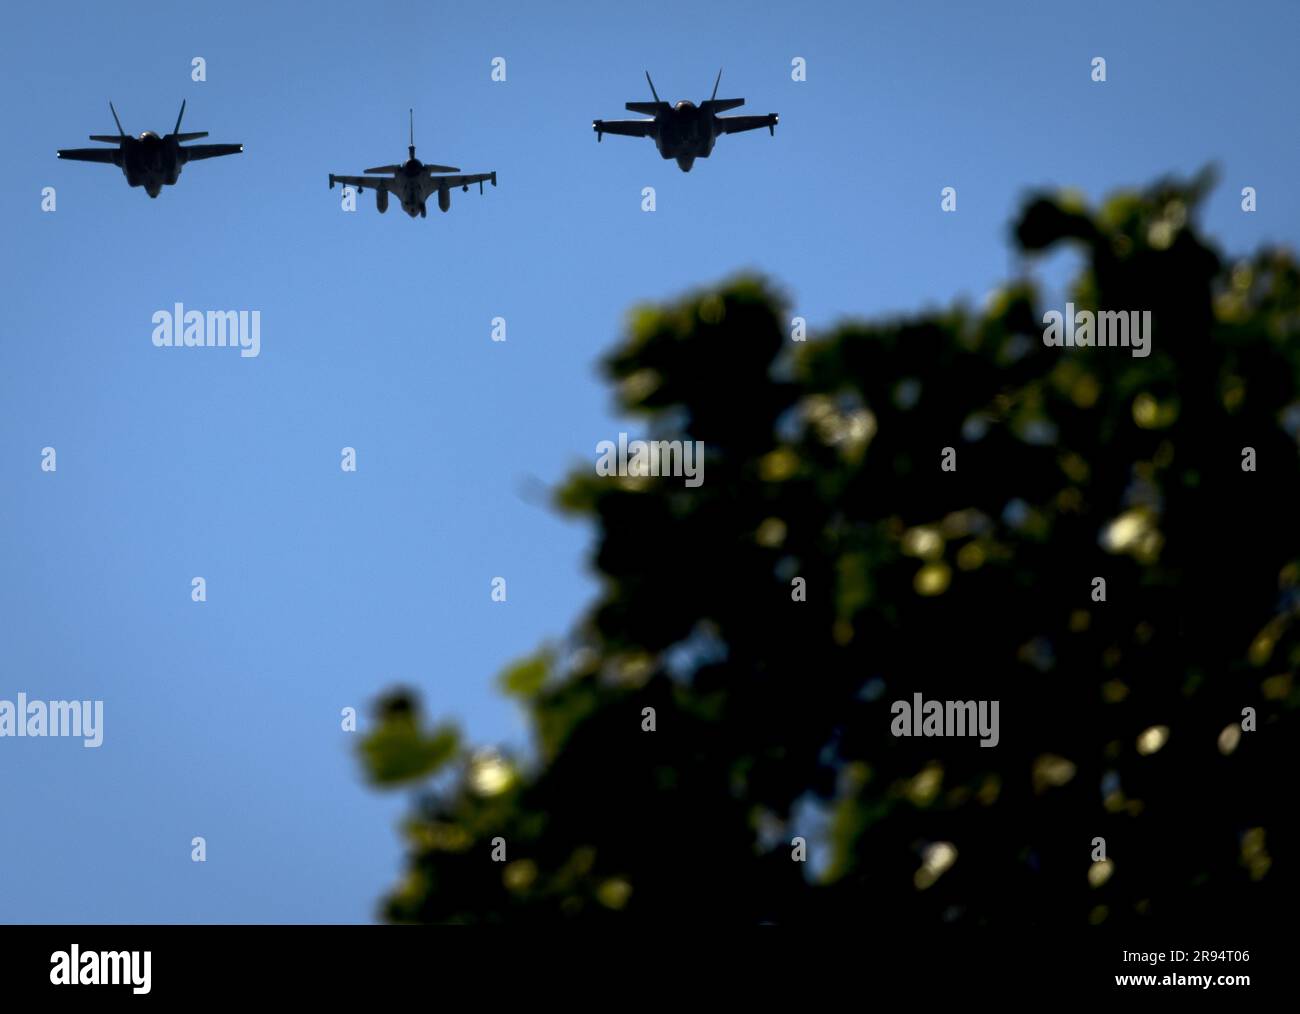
(684, 104)
(148, 135)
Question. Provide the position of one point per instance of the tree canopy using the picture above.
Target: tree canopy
(1120, 719)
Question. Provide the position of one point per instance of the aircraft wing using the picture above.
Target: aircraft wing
(362, 182)
(735, 124)
(106, 155)
(464, 181)
(197, 151)
(629, 128)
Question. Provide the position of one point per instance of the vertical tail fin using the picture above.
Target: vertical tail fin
(179, 118)
(715, 85)
(652, 86)
(120, 131)
(411, 149)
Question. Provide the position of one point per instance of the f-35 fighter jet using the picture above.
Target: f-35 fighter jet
(149, 161)
(685, 131)
(413, 181)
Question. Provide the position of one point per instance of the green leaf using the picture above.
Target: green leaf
(526, 677)
(398, 751)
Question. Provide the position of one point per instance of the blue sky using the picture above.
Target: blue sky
(324, 588)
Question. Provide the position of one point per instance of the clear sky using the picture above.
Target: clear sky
(324, 588)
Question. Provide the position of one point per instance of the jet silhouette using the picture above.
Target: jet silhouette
(413, 181)
(685, 131)
(149, 161)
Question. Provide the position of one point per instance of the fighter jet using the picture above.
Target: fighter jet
(413, 181)
(149, 161)
(685, 131)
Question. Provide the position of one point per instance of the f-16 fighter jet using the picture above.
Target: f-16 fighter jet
(412, 182)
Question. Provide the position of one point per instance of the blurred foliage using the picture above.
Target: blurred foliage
(398, 750)
(773, 715)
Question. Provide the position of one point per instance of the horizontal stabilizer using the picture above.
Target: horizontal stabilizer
(110, 138)
(189, 137)
(441, 169)
(647, 108)
(722, 105)
(384, 169)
